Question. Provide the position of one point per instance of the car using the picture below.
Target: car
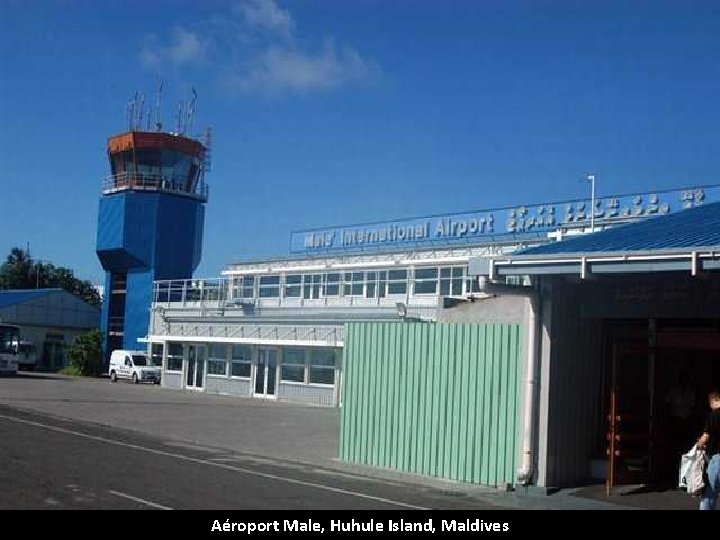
(134, 366)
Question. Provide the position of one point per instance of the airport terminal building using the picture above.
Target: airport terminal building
(451, 354)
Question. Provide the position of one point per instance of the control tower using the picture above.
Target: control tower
(150, 224)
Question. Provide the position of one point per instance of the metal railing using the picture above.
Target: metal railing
(329, 334)
(212, 297)
(140, 181)
(191, 292)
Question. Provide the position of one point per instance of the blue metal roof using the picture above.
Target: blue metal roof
(693, 228)
(18, 296)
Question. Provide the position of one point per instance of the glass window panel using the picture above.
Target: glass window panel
(425, 287)
(445, 272)
(332, 290)
(293, 279)
(426, 273)
(322, 357)
(444, 287)
(175, 354)
(241, 352)
(397, 287)
(457, 272)
(216, 367)
(217, 351)
(292, 291)
(456, 287)
(394, 275)
(156, 353)
(269, 280)
(292, 373)
(294, 356)
(269, 292)
(370, 291)
(322, 375)
(240, 369)
(174, 363)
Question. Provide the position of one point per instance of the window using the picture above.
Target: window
(472, 285)
(241, 361)
(425, 281)
(292, 286)
(139, 360)
(354, 283)
(217, 359)
(371, 287)
(332, 285)
(293, 365)
(451, 281)
(175, 357)
(156, 354)
(243, 287)
(269, 286)
(311, 285)
(322, 366)
(397, 282)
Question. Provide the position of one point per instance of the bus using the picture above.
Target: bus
(27, 354)
(9, 337)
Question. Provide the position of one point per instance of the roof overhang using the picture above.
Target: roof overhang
(692, 260)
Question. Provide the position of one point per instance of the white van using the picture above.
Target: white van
(132, 365)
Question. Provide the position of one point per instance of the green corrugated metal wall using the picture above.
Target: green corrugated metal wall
(433, 399)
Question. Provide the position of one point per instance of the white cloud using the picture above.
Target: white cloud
(266, 14)
(280, 69)
(184, 48)
(253, 50)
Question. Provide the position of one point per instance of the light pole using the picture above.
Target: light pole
(591, 178)
(38, 268)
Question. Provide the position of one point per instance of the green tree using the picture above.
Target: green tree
(85, 353)
(19, 271)
(16, 271)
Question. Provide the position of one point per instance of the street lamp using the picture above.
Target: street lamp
(38, 267)
(591, 178)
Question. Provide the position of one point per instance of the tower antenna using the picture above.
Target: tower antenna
(191, 112)
(158, 101)
(141, 111)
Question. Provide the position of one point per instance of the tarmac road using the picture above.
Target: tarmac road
(64, 464)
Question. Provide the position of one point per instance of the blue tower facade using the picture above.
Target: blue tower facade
(150, 226)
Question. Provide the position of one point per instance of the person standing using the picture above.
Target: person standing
(710, 442)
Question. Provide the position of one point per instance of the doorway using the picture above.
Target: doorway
(266, 373)
(657, 402)
(195, 375)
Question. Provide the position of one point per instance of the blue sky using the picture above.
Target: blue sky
(329, 112)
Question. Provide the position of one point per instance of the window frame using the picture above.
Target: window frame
(170, 356)
(232, 361)
(283, 363)
(323, 367)
(211, 359)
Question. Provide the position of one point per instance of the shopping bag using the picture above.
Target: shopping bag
(695, 477)
(685, 464)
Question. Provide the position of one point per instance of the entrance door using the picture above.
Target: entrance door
(630, 424)
(195, 376)
(265, 373)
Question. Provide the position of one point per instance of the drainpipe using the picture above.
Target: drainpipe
(525, 471)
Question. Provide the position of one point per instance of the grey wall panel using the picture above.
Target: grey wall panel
(309, 395)
(575, 426)
(225, 385)
(501, 309)
(171, 380)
